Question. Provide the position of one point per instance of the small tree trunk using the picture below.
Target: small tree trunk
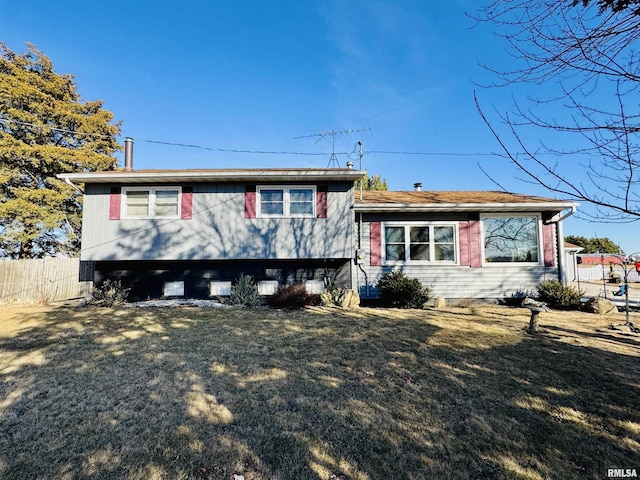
(533, 321)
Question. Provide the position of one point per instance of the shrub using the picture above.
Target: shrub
(111, 293)
(293, 297)
(244, 293)
(399, 290)
(560, 296)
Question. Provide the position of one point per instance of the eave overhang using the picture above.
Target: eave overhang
(217, 176)
(552, 206)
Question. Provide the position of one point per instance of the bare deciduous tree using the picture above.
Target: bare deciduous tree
(579, 61)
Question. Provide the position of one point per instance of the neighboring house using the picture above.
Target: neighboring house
(599, 259)
(193, 232)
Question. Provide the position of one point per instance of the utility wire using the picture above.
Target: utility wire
(229, 150)
(259, 152)
(439, 154)
(7, 120)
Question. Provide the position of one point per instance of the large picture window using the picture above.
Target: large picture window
(424, 243)
(511, 239)
(162, 202)
(298, 201)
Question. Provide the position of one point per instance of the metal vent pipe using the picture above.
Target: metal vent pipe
(128, 154)
(417, 187)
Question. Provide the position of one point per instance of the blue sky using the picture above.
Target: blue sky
(254, 75)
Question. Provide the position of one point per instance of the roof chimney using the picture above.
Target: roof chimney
(349, 165)
(417, 187)
(128, 154)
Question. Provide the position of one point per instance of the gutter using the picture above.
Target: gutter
(238, 175)
(465, 207)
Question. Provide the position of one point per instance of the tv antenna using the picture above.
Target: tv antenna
(333, 160)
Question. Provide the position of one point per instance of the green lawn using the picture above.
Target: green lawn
(187, 393)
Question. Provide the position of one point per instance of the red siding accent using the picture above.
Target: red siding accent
(548, 237)
(186, 211)
(321, 201)
(250, 202)
(375, 237)
(115, 201)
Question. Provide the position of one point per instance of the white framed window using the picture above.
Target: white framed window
(420, 242)
(289, 201)
(511, 238)
(151, 202)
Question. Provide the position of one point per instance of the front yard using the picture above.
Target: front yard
(318, 394)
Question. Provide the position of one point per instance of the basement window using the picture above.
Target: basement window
(156, 202)
(267, 287)
(173, 289)
(219, 289)
(314, 286)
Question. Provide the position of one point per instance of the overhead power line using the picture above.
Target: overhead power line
(7, 121)
(62, 130)
(231, 150)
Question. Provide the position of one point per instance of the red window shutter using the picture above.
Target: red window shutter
(186, 210)
(475, 244)
(115, 202)
(463, 241)
(375, 237)
(250, 202)
(548, 237)
(469, 239)
(321, 201)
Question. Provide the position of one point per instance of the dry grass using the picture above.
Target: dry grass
(319, 394)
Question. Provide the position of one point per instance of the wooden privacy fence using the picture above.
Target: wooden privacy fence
(44, 280)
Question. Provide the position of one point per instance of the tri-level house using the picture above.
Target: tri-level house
(193, 232)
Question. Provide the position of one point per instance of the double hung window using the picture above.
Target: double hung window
(294, 201)
(511, 239)
(424, 243)
(157, 202)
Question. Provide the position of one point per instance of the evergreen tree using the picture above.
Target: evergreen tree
(594, 245)
(45, 129)
(374, 183)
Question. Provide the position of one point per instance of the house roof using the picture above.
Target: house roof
(572, 247)
(488, 201)
(217, 175)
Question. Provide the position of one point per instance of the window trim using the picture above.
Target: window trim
(286, 201)
(407, 243)
(152, 202)
(539, 239)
